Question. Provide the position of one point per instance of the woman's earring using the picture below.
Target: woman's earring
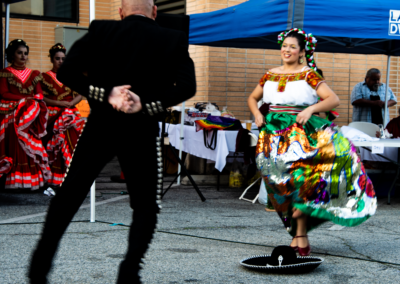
(301, 60)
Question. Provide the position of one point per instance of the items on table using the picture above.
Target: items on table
(201, 111)
(393, 127)
(212, 109)
(249, 123)
(194, 114)
(226, 113)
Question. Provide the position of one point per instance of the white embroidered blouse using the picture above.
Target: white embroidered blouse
(291, 89)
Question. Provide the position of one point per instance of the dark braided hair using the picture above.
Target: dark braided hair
(319, 71)
(12, 48)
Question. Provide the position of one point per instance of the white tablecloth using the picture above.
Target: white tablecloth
(193, 143)
(390, 151)
(357, 137)
(392, 143)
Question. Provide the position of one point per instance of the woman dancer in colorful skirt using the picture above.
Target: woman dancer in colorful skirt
(23, 119)
(65, 122)
(311, 172)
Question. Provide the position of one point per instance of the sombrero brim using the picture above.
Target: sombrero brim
(304, 264)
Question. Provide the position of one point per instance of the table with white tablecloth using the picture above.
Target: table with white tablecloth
(390, 153)
(387, 143)
(193, 142)
(357, 136)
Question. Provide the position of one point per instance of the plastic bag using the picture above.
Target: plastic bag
(236, 178)
(263, 195)
(226, 113)
(202, 105)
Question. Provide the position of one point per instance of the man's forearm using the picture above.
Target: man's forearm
(364, 103)
(391, 103)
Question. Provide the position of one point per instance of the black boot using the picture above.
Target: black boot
(39, 268)
(141, 232)
(38, 280)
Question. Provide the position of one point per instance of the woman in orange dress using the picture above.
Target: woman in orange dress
(65, 122)
(23, 120)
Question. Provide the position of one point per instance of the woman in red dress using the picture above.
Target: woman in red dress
(23, 120)
(65, 122)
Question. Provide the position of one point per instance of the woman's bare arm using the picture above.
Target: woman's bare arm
(330, 101)
(252, 101)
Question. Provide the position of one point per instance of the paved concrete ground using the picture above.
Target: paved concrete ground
(197, 242)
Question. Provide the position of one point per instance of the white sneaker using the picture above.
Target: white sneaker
(49, 192)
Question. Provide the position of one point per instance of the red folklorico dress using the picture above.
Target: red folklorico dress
(65, 127)
(23, 121)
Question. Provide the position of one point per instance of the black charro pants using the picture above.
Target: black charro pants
(135, 146)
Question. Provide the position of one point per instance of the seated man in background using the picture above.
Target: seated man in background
(368, 99)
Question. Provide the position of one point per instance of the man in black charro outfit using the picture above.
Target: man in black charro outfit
(155, 64)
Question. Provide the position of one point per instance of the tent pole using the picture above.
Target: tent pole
(385, 122)
(6, 31)
(92, 16)
(92, 10)
(181, 140)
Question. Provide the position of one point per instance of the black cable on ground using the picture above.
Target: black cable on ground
(119, 193)
(36, 223)
(219, 240)
(260, 245)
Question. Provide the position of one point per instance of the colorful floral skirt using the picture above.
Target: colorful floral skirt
(63, 131)
(315, 169)
(23, 159)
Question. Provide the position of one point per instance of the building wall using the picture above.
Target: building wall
(115, 4)
(40, 35)
(227, 76)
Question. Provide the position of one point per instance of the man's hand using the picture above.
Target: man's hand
(133, 105)
(119, 97)
(124, 100)
(380, 103)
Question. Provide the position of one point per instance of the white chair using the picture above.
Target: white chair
(244, 192)
(366, 127)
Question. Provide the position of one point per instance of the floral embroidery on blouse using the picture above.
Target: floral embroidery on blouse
(311, 77)
(314, 79)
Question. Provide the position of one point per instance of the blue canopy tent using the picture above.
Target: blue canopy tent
(341, 26)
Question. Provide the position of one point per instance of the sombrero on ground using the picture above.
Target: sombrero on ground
(283, 260)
